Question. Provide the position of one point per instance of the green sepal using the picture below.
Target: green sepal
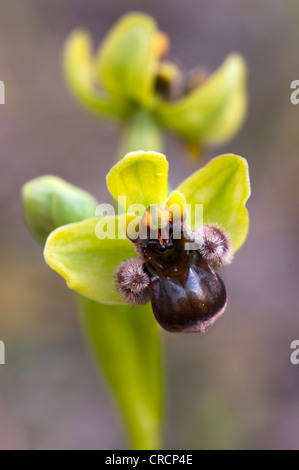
(127, 61)
(49, 201)
(79, 69)
(213, 112)
(86, 262)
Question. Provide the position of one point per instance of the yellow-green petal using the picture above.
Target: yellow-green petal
(79, 71)
(223, 187)
(213, 112)
(86, 262)
(127, 60)
(141, 177)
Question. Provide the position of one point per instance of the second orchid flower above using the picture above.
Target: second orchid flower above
(133, 77)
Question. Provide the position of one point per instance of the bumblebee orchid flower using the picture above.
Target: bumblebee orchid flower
(182, 284)
(126, 283)
(131, 78)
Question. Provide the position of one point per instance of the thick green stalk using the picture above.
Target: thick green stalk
(141, 132)
(125, 340)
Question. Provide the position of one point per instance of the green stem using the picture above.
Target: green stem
(126, 344)
(142, 132)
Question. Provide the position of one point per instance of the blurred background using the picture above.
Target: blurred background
(234, 388)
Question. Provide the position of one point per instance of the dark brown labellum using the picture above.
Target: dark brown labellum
(185, 291)
(189, 303)
(175, 270)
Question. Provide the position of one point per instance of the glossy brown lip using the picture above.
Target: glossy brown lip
(191, 302)
(176, 273)
(187, 295)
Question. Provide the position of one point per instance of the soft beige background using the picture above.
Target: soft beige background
(233, 388)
